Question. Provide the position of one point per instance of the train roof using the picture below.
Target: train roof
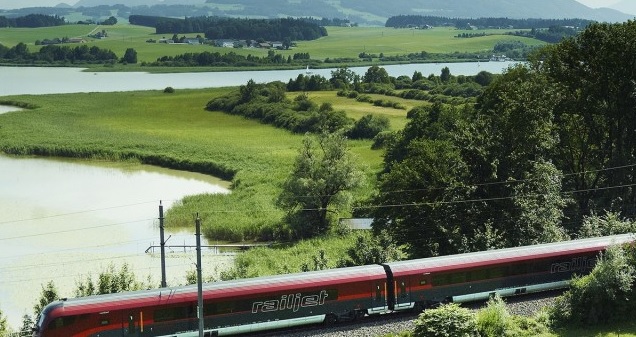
(506, 255)
(234, 289)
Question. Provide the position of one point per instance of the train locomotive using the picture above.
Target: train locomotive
(327, 296)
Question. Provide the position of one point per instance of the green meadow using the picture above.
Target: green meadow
(342, 42)
(351, 41)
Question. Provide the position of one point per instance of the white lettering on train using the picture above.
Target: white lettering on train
(577, 263)
(290, 302)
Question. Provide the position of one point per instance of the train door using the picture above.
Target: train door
(379, 299)
(133, 324)
(403, 299)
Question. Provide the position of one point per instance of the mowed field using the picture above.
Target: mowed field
(341, 42)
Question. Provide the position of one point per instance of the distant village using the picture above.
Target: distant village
(225, 43)
(198, 40)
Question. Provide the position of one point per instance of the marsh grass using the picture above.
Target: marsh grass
(175, 131)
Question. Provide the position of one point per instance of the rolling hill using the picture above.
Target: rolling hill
(370, 12)
(377, 11)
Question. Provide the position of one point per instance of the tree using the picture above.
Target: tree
(110, 281)
(510, 144)
(594, 73)
(249, 91)
(320, 185)
(47, 296)
(4, 327)
(343, 78)
(424, 172)
(27, 325)
(376, 74)
(371, 249)
(110, 21)
(130, 56)
(446, 75)
(610, 223)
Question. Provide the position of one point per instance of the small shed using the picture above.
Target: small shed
(357, 223)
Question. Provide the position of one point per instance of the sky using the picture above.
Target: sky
(10, 4)
(595, 3)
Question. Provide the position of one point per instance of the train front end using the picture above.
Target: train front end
(45, 320)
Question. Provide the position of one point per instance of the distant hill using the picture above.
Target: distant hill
(626, 6)
(377, 11)
(371, 12)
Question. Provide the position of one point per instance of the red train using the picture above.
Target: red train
(249, 305)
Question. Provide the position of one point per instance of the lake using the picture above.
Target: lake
(64, 220)
(34, 80)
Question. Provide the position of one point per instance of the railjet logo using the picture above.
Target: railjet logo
(577, 263)
(290, 302)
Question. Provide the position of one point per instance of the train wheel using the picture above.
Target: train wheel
(331, 319)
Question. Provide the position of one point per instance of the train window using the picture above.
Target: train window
(458, 278)
(495, 272)
(478, 275)
(517, 269)
(171, 314)
(441, 280)
(61, 322)
(218, 308)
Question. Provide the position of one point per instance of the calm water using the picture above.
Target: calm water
(33, 80)
(63, 220)
(4, 109)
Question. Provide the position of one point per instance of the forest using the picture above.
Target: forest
(56, 54)
(231, 28)
(32, 21)
(402, 21)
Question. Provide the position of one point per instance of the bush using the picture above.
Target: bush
(382, 139)
(605, 295)
(168, 90)
(609, 224)
(447, 320)
(368, 127)
(494, 319)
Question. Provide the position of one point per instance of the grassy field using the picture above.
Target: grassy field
(351, 41)
(342, 42)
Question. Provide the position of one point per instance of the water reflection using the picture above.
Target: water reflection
(63, 220)
(8, 108)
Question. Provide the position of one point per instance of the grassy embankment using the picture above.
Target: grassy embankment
(342, 42)
(174, 130)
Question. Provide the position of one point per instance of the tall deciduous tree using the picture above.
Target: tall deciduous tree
(510, 146)
(461, 180)
(376, 74)
(424, 174)
(130, 56)
(319, 185)
(596, 110)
